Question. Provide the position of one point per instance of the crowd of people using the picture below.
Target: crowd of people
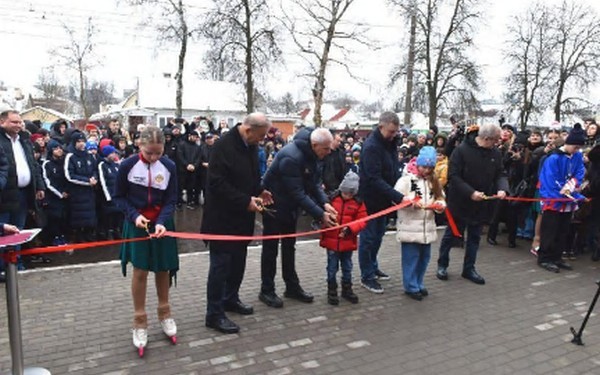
(104, 182)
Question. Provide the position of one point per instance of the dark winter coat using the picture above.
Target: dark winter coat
(473, 168)
(232, 180)
(205, 154)
(9, 197)
(334, 166)
(79, 168)
(379, 169)
(171, 148)
(53, 171)
(107, 173)
(3, 169)
(294, 178)
(348, 211)
(188, 153)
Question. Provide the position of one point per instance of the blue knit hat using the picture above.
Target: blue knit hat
(107, 150)
(91, 145)
(52, 144)
(427, 157)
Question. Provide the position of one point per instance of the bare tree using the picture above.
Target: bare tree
(576, 37)
(78, 55)
(172, 25)
(442, 60)
(49, 84)
(528, 52)
(243, 42)
(315, 29)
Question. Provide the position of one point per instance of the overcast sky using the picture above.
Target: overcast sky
(29, 29)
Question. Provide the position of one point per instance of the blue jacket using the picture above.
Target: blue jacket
(79, 168)
(294, 179)
(557, 169)
(143, 186)
(379, 170)
(107, 171)
(53, 172)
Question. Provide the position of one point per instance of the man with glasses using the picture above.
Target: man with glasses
(24, 183)
(475, 173)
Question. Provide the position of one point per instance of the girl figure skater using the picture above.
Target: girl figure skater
(146, 191)
(416, 228)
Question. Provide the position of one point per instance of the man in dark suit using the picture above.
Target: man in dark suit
(24, 183)
(233, 196)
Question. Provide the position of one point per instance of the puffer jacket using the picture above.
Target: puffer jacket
(416, 225)
(79, 168)
(348, 211)
(294, 179)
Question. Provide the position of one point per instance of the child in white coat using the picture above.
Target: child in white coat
(416, 228)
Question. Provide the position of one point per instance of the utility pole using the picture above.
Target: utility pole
(410, 68)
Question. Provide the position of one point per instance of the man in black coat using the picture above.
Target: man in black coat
(475, 171)
(233, 196)
(334, 165)
(294, 178)
(188, 163)
(24, 182)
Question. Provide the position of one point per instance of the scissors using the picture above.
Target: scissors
(489, 197)
(147, 228)
(268, 211)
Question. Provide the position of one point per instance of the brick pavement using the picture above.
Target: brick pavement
(77, 321)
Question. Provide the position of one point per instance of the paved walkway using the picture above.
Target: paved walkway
(77, 320)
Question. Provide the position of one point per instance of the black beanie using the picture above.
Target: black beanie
(576, 136)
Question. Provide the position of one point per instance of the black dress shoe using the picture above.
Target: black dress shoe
(299, 294)
(270, 299)
(549, 267)
(563, 265)
(442, 273)
(239, 307)
(473, 276)
(492, 241)
(512, 245)
(417, 296)
(424, 292)
(223, 325)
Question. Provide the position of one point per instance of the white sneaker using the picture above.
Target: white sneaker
(169, 327)
(140, 337)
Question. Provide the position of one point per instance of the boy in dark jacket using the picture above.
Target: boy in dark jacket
(111, 215)
(81, 171)
(53, 171)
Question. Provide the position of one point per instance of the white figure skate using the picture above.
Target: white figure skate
(170, 329)
(140, 339)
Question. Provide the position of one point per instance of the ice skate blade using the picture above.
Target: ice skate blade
(141, 352)
(173, 340)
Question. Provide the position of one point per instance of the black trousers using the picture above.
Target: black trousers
(225, 275)
(554, 232)
(191, 187)
(268, 258)
(510, 214)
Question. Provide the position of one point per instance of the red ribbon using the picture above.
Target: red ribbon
(226, 237)
(205, 236)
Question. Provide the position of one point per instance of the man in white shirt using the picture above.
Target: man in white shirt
(24, 183)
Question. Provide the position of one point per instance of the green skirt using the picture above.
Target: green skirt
(156, 255)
